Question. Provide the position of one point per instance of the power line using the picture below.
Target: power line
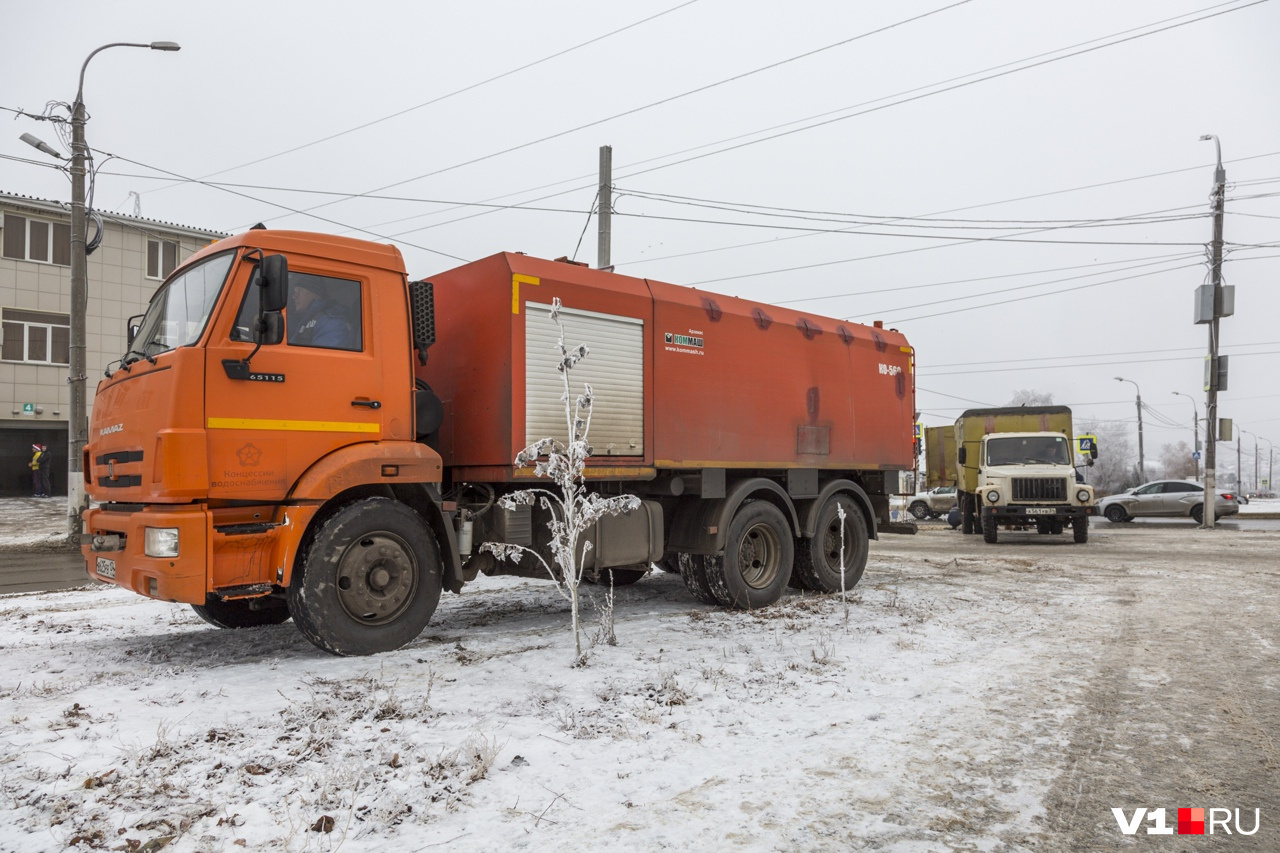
(444, 97)
(660, 102)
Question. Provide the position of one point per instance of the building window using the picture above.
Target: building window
(162, 258)
(40, 240)
(36, 337)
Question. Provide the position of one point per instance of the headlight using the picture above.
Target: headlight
(993, 497)
(161, 542)
(1083, 496)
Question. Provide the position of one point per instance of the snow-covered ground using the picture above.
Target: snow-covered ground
(938, 713)
(129, 720)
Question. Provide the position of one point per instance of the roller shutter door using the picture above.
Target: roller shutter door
(614, 369)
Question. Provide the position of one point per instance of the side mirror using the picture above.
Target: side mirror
(132, 326)
(1093, 453)
(274, 283)
(960, 455)
(269, 330)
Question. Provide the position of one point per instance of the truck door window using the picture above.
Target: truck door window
(322, 312)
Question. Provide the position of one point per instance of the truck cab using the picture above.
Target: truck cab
(1027, 479)
(225, 428)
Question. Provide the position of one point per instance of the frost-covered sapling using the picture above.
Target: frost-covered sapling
(573, 509)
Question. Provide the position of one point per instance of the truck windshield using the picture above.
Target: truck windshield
(180, 309)
(1028, 450)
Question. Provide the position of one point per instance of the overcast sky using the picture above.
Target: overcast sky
(800, 153)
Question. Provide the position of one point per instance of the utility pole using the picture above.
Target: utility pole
(77, 370)
(604, 260)
(1211, 381)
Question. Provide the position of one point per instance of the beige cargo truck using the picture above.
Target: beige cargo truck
(1014, 467)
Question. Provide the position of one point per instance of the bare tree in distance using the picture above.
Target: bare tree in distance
(1176, 461)
(1029, 397)
(1116, 467)
(574, 510)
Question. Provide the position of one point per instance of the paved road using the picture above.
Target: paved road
(39, 571)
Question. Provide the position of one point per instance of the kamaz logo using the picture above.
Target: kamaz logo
(105, 431)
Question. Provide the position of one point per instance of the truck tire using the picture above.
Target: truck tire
(1080, 529)
(1116, 514)
(693, 572)
(990, 530)
(817, 561)
(920, 510)
(238, 614)
(369, 581)
(967, 521)
(757, 560)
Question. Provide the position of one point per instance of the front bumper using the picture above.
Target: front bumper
(1032, 514)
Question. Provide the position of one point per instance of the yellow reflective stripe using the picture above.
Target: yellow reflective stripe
(292, 426)
(516, 280)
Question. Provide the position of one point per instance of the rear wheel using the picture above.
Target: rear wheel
(1080, 529)
(757, 559)
(239, 613)
(1116, 514)
(817, 560)
(1197, 512)
(920, 510)
(694, 574)
(370, 579)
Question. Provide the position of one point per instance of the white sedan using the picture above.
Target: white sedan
(1168, 498)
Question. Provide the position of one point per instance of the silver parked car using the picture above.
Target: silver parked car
(1168, 498)
(932, 503)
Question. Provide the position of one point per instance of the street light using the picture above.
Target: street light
(1255, 459)
(1195, 430)
(1142, 468)
(78, 423)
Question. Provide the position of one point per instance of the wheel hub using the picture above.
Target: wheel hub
(377, 576)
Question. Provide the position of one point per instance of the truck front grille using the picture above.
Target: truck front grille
(1036, 489)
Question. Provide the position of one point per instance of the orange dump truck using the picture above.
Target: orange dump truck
(277, 443)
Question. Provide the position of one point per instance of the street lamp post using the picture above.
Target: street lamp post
(1255, 461)
(1142, 467)
(78, 422)
(1195, 430)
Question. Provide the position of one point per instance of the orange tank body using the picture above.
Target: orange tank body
(703, 380)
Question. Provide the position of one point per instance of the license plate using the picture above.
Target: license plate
(106, 568)
(1041, 510)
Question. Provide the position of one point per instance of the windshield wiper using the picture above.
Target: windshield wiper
(126, 361)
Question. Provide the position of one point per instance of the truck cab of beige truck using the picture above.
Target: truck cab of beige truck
(1015, 468)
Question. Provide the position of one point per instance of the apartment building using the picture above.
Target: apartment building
(129, 258)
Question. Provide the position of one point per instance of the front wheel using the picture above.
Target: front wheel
(758, 554)
(817, 560)
(1080, 529)
(1116, 514)
(920, 510)
(369, 580)
(990, 530)
(239, 613)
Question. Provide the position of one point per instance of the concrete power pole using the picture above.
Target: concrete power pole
(1211, 381)
(604, 260)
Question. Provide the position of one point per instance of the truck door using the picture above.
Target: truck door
(320, 390)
